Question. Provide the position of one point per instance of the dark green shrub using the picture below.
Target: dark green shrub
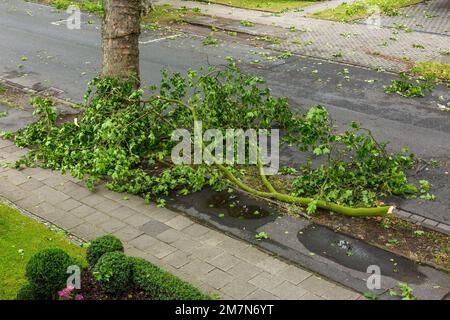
(113, 272)
(46, 272)
(100, 246)
(159, 284)
(26, 292)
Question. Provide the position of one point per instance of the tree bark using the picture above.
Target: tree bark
(120, 39)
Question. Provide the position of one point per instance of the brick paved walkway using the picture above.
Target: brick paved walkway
(358, 44)
(430, 16)
(205, 257)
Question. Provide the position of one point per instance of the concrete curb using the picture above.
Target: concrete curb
(423, 221)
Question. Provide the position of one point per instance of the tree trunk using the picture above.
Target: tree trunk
(120, 39)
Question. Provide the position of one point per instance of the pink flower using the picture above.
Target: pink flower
(79, 297)
(65, 293)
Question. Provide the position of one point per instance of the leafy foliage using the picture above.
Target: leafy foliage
(127, 141)
(161, 285)
(26, 292)
(409, 89)
(406, 291)
(210, 40)
(46, 272)
(113, 272)
(102, 245)
(261, 236)
(357, 172)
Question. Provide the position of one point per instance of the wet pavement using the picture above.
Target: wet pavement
(428, 17)
(339, 257)
(13, 119)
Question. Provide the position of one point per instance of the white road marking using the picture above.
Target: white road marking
(159, 39)
(59, 22)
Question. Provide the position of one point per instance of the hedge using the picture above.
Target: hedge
(100, 246)
(161, 285)
(46, 272)
(113, 272)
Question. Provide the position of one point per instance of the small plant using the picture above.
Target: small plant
(370, 295)
(312, 207)
(210, 40)
(247, 23)
(408, 89)
(113, 272)
(428, 196)
(3, 114)
(424, 186)
(288, 170)
(346, 34)
(261, 236)
(100, 246)
(406, 291)
(418, 46)
(285, 55)
(46, 272)
(392, 242)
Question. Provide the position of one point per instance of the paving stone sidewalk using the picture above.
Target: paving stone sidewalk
(429, 16)
(207, 258)
(358, 44)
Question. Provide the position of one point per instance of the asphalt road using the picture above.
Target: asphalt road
(68, 59)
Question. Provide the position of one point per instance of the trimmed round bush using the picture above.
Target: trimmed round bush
(113, 272)
(100, 246)
(26, 292)
(46, 272)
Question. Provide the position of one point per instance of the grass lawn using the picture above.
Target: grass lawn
(85, 5)
(161, 14)
(265, 5)
(361, 9)
(20, 238)
(168, 14)
(432, 71)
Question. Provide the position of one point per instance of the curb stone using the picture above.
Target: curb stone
(423, 221)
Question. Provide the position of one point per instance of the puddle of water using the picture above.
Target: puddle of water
(235, 210)
(233, 206)
(357, 255)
